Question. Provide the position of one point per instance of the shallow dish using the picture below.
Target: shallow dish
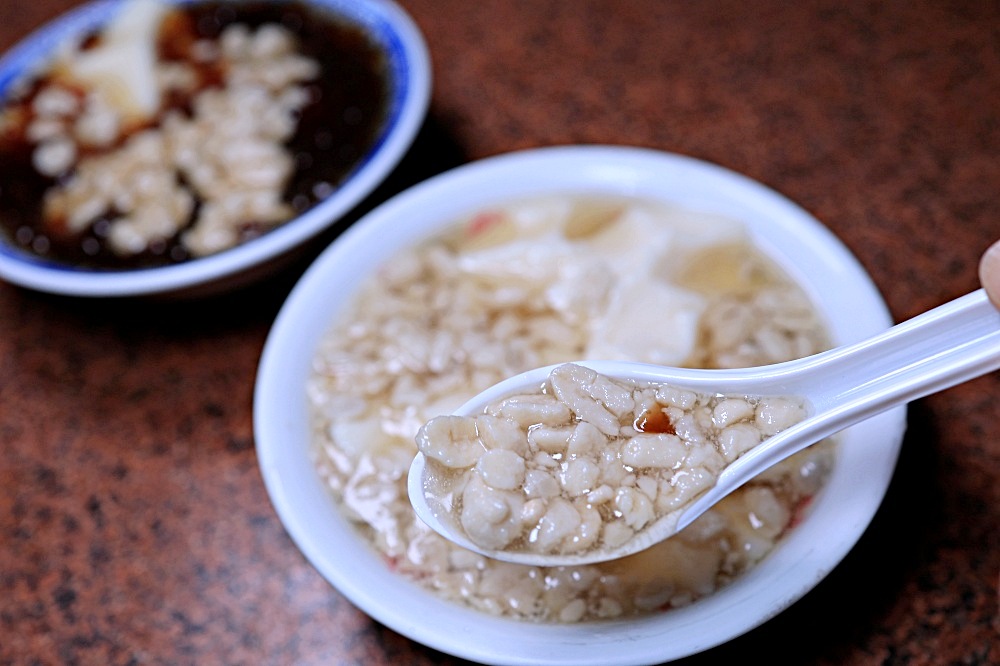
(408, 68)
(807, 251)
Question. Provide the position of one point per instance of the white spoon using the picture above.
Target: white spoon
(946, 346)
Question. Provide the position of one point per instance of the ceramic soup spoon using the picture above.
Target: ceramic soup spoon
(936, 350)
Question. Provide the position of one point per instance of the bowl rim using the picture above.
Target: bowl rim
(410, 67)
(813, 258)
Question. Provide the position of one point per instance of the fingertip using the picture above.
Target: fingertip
(989, 272)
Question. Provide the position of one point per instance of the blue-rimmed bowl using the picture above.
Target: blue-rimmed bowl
(409, 73)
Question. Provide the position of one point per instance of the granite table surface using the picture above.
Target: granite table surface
(134, 524)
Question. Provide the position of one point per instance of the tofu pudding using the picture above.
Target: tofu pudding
(540, 282)
(181, 130)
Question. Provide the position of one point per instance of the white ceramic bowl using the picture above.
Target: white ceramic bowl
(807, 250)
(390, 28)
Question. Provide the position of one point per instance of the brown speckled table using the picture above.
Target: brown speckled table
(134, 525)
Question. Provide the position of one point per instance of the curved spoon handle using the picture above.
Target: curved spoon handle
(936, 350)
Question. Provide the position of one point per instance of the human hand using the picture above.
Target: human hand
(989, 272)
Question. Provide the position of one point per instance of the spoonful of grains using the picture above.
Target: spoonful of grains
(592, 461)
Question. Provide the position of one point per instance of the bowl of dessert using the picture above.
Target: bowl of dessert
(151, 147)
(543, 257)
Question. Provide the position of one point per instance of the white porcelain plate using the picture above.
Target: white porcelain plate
(809, 252)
